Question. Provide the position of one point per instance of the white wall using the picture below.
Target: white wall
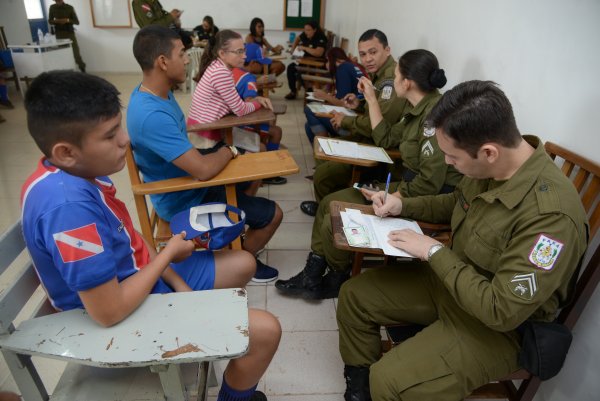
(545, 55)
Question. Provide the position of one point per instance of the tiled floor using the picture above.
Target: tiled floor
(307, 366)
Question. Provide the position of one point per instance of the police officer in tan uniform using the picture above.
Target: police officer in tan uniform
(374, 54)
(519, 234)
(417, 77)
(62, 16)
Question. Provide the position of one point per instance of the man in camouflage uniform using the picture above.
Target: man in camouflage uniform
(519, 235)
(62, 16)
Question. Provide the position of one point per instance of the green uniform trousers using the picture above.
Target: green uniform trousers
(71, 35)
(452, 356)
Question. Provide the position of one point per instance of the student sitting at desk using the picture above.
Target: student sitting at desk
(81, 238)
(313, 43)
(346, 73)
(245, 84)
(207, 29)
(216, 96)
(162, 149)
(256, 60)
(417, 77)
(257, 36)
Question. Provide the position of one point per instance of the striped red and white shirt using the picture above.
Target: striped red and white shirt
(216, 96)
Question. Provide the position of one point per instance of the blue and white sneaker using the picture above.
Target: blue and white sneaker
(264, 273)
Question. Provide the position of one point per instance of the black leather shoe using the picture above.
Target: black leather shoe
(275, 180)
(309, 207)
(357, 383)
(330, 285)
(290, 96)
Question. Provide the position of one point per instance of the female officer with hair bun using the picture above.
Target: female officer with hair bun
(417, 79)
(424, 171)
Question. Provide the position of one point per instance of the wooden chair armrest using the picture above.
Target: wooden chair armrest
(247, 167)
(316, 78)
(310, 70)
(314, 62)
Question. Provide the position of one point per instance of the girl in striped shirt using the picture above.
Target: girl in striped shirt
(216, 96)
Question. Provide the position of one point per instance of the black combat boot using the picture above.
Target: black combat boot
(330, 285)
(308, 279)
(357, 384)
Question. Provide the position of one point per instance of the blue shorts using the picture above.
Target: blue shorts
(198, 271)
(259, 211)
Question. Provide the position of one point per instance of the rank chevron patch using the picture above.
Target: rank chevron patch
(523, 285)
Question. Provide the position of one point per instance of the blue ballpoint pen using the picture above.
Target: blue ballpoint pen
(387, 189)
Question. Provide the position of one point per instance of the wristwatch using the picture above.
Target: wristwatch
(234, 151)
(434, 248)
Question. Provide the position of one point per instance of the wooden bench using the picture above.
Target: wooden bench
(176, 335)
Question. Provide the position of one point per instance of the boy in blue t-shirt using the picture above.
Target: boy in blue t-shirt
(81, 237)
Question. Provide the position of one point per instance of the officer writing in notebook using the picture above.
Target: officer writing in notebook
(519, 232)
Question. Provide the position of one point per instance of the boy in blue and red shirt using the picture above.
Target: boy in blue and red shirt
(81, 237)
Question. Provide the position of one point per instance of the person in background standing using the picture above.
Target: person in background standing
(62, 17)
(148, 12)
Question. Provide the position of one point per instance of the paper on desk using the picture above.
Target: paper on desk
(334, 147)
(327, 108)
(245, 139)
(378, 229)
(311, 96)
(298, 53)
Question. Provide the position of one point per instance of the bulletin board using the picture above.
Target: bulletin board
(111, 13)
(296, 13)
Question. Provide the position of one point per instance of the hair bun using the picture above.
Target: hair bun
(437, 78)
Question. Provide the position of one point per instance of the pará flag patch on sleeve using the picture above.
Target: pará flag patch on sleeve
(545, 252)
(146, 7)
(79, 243)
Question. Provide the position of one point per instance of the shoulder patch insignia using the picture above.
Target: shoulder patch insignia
(146, 7)
(544, 253)
(523, 285)
(427, 149)
(386, 92)
(428, 131)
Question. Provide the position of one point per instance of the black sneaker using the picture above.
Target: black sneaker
(275, 180)
(290, 96)
(264, 273)
(7, 103)
(258, 396)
